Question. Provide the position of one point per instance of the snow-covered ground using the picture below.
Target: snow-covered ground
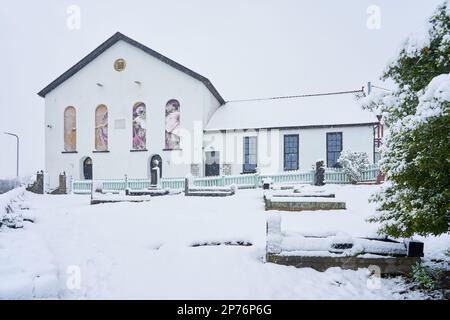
(143, 250)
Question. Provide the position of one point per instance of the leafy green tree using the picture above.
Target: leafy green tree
(415, 198)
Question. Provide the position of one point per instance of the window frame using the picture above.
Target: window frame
(178, 140)
(297, 153)
(341, 137)
(96, 125)
(244, 164)
(133, 109)
(75, 128)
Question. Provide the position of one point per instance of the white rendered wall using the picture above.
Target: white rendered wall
(119, 92)
(270, 149)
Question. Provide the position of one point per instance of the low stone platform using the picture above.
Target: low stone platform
(209, 193)
(150, 192)
(298, 204)
(112, 198)
(379, 255)
(210, 189)
(193, 191)
(287, 187)
(306, 195)
(384, 264)
(94, 201)
(242, 243)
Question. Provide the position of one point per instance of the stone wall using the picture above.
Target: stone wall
(62, 187)
(385, 265)
(38, 185)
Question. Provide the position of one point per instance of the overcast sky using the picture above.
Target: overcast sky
(246, 48)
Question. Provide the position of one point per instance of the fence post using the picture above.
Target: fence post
(71, 184)
(222, 180)
(256, 180)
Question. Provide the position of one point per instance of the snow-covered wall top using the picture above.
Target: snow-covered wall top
(8, 197)
(336, 109)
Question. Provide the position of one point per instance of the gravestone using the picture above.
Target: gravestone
(62, 188)
(62, 183)
(267, 183)
(38, 185)
(319, 176)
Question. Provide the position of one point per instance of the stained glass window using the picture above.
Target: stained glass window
(139, 126)
(172, 124)
(101, 128)
(70, 129)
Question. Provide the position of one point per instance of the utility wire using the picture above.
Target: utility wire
(298, 96)
(381, 88)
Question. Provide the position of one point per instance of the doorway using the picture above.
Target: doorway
(155, 167)
(87, 169)
(212, 166)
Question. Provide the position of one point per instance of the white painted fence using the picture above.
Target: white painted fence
(332, 176)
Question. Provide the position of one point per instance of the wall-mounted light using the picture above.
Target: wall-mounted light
(379, 116)
(99, 84)
(138, 82)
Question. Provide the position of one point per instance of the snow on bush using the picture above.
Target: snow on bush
(434, 100)
(353, 164)
(9, 209)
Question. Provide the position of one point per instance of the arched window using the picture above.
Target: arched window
(70, 129)
(139, 126)
(101, 128)
(172, 124)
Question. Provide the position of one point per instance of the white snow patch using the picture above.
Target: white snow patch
(143, 250)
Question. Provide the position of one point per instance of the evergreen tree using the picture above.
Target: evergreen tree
(416, 152)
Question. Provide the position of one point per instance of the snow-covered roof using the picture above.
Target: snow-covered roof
(299, 111)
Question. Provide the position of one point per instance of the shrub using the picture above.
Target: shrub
(353, 164)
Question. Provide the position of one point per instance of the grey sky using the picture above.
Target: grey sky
(246, 48)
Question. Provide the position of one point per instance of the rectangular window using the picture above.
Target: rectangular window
(334, 148)
(291, 152)
(250, 159)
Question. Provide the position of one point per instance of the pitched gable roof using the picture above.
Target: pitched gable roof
(111, 41)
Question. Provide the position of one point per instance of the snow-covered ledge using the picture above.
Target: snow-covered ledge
(9, 208)
(340, 250)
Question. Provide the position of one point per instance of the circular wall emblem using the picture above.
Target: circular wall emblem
(120, 64)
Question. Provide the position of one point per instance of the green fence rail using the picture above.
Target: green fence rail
(332, 176)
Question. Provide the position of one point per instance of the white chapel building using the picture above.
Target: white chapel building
(125, 108)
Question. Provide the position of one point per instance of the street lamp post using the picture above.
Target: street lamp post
(17, 151)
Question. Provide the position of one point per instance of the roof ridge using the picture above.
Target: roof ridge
(299, 96)
(111, 41)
